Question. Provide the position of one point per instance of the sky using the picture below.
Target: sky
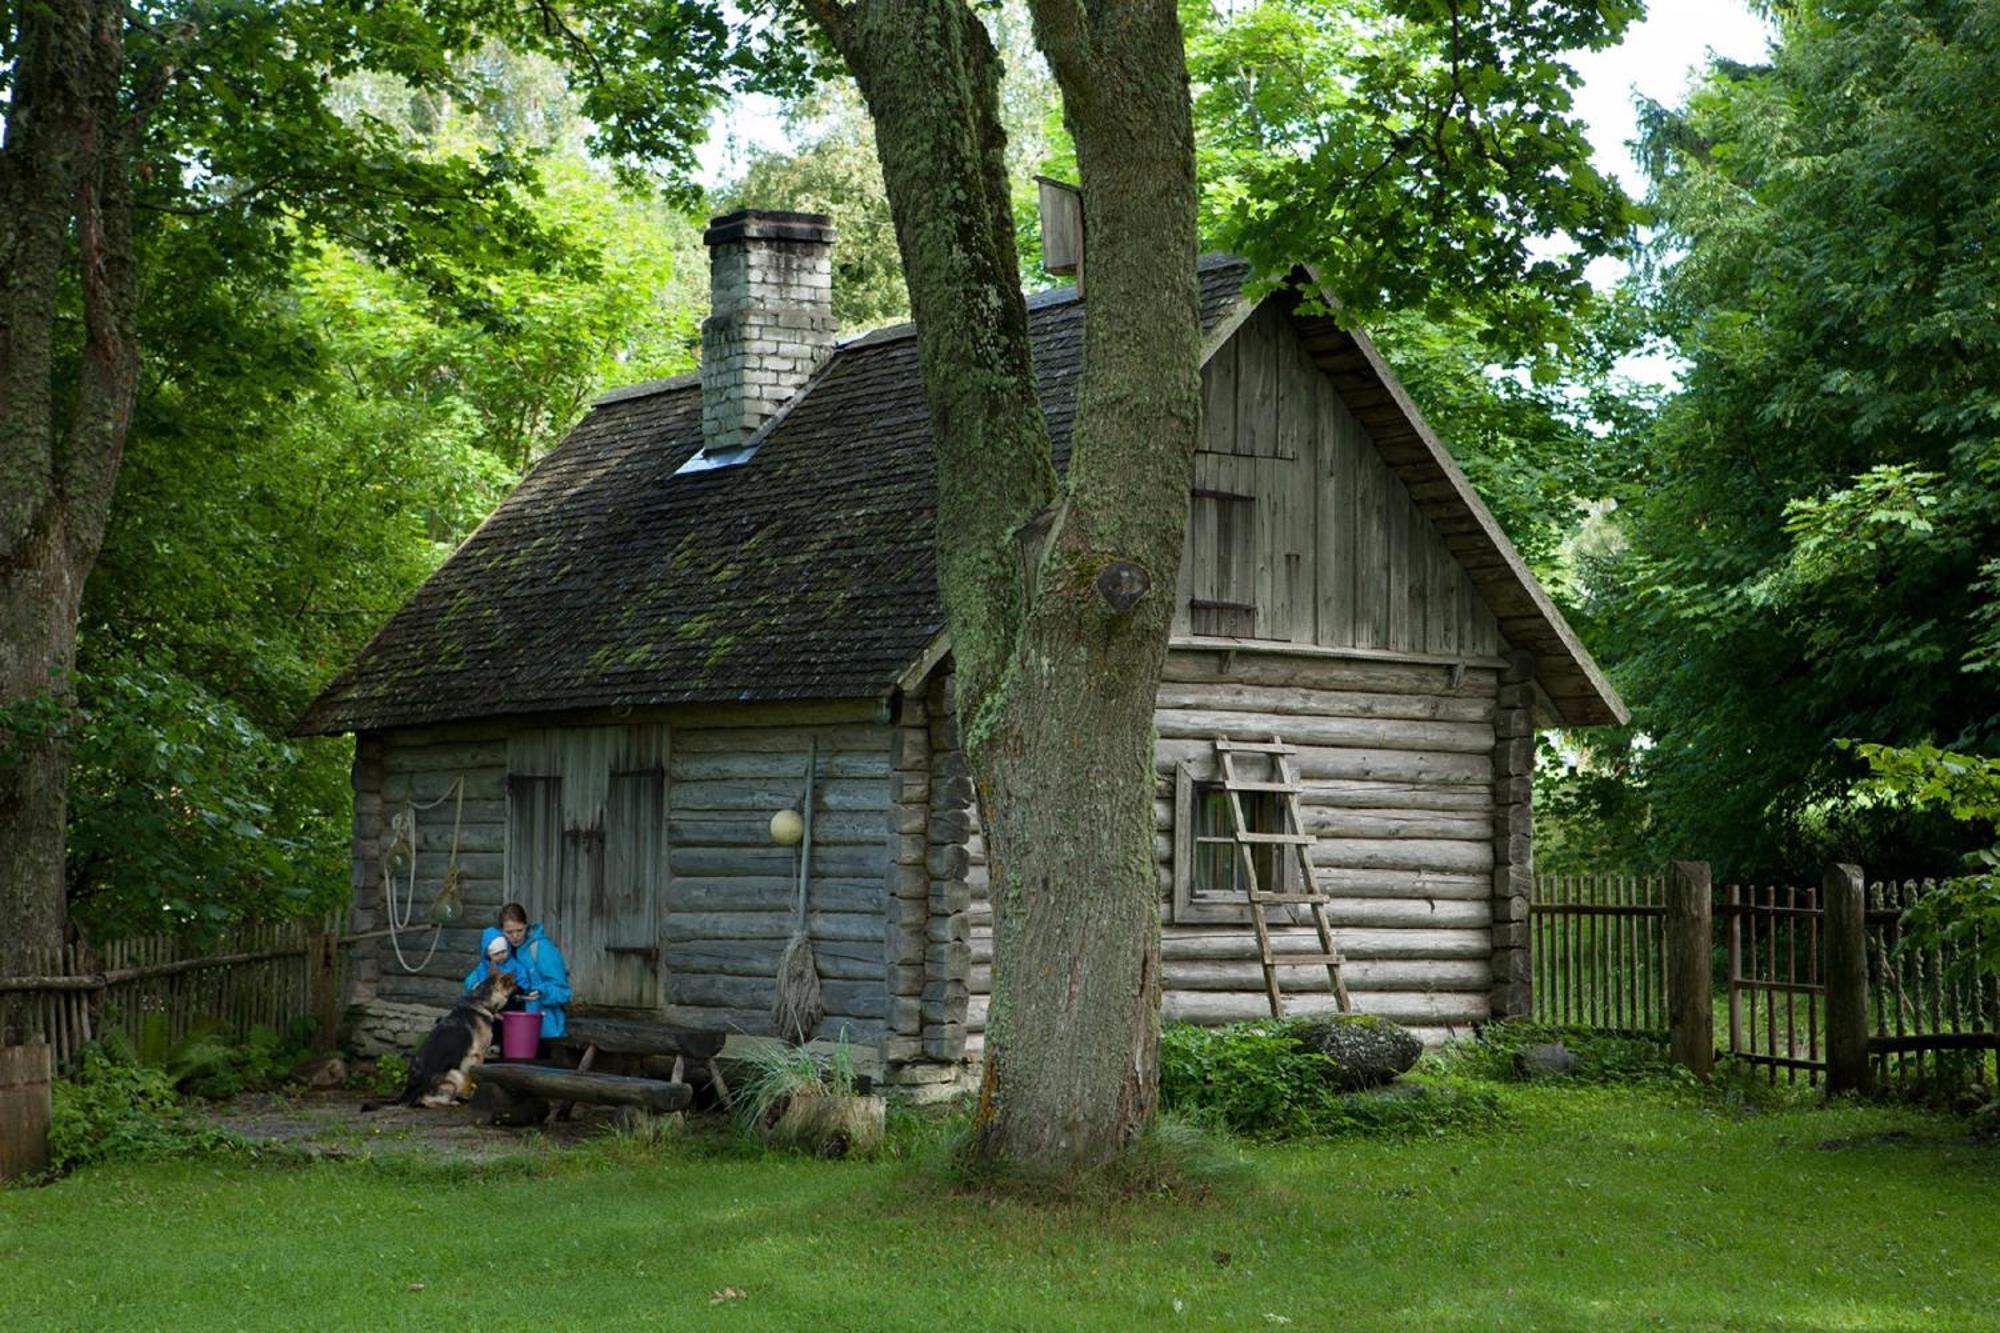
(1656, 59)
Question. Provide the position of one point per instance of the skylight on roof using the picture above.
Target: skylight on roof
(710, 460)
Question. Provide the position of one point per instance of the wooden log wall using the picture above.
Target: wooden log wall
(979, 934)
(723, 910)
(420, 766)
(1398, 762)
(908, 904)
(929, 956)
(1298, 531)
(1513, 837)
(731, 892)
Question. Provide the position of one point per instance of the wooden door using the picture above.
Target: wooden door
(586, 854)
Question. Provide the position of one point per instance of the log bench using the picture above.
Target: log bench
(555, 1083)
(663, 1048)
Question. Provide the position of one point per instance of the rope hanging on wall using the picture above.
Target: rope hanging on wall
(449, 905)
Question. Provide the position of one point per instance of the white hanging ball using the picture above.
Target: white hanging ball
(787, 828)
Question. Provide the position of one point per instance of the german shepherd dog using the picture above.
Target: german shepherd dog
(442, 1070)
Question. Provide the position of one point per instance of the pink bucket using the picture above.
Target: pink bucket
(520, 1035)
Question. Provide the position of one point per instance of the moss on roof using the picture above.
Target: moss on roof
(606, 580)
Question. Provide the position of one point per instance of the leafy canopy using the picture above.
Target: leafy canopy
(316, 429)
(1804, 543)
(1420, 152)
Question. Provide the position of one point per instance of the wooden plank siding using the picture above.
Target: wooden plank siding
(731, 893)
(1300, 532)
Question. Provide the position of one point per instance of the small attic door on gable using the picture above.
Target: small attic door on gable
(586, 852)
(1298, 531)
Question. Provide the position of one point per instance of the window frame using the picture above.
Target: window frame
(1197, 903)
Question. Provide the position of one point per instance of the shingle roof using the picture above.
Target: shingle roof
(605, 580)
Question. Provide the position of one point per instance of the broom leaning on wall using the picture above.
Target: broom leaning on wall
(798, 1009)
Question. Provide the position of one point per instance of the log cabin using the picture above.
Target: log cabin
(599, 702)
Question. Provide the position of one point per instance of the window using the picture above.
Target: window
(1210, 880)
(1222, 543)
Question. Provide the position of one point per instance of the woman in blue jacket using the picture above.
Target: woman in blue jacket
(536, 961)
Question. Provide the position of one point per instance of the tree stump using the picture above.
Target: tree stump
(24, 1111)
(829, 1126)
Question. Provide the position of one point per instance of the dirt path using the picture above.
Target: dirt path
(333, 1124)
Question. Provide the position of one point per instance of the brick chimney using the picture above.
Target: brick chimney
(771, 294)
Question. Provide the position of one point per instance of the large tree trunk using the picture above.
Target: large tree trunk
(1058, 598)
(64, 198)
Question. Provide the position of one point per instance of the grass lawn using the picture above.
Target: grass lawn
(1598, 1207)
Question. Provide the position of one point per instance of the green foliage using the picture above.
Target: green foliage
(1418, 151)
(185, 815)
(29, 721)
(1590, 813)
(391, 1072)
(120, 1110)
(1806, 553)
(776, 1072)
(1262, 1080)
(316, 430)
(211, 1061)
(1541, 440)
(1497, 1053)
(1962, 912)
(1253, 1077)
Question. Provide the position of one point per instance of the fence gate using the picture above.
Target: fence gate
(1777, 997)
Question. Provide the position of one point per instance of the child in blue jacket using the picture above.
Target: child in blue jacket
(499, 957)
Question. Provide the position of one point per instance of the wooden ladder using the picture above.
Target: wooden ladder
(1296, 843)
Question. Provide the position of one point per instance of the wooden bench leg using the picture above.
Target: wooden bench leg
(715, 1078)
(562, 1112)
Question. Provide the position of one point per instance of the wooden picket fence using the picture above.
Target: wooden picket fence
(1598, 949)
(1820, 982)
(155, 990)
(1922, 1002)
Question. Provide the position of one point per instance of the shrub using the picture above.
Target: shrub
(1252, 1077)
(112, 1110)
(1267, 1080)
(391, 1072)
(1500, 1054)
(214, 1062)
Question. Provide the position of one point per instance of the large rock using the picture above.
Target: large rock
(1368, 1051)
(1544, 1059)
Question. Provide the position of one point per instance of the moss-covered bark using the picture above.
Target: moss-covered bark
(64, 198)
(1057, 658)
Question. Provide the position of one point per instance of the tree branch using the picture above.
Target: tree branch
(1062, 30)
(555, 25)
(834, 18)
